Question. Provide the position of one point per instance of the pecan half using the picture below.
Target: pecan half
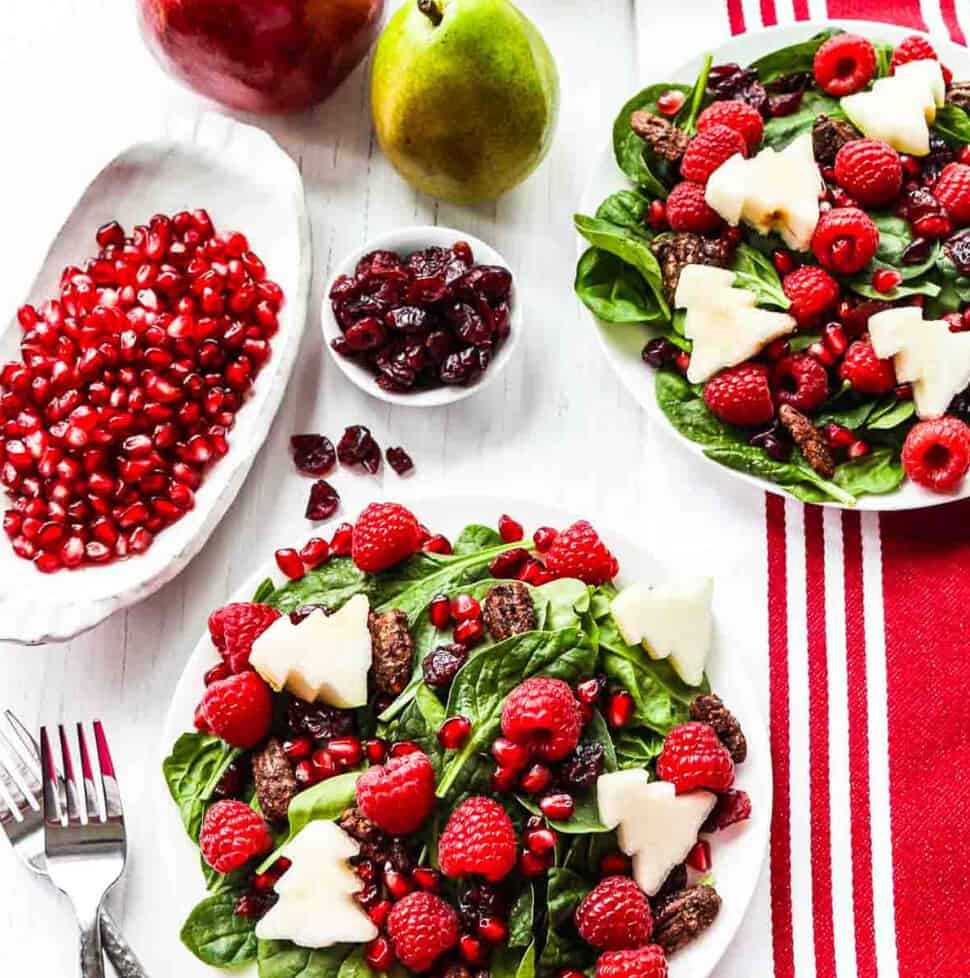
(958, 94)
(808, 439)
(275, 781)
(829, 136)
(684, 916)
(663, 137)
(392, 650)
(672, 885)
(675, 251)
(709, 708)
(508, 611)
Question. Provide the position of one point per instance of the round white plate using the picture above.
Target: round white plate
(622, 344)
(738, 852)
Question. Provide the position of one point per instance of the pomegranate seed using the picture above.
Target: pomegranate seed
(783, 261)
(72, 551)
(454, 733)
(858, 449)
(904, 392)
(699, 857)
(342, 541)
(615, 864)
(12, 521)
(439, 611)
(933, 226)
(314, 552)
(619, 711)
(472, 950)
(398, 884)
(503, 780)
(822, 354)
(404, 747)
(536, 779)
(540, 841)
(97, 552)
(509, 564)
(288, 561)
(465, 607)
(379, 913)
(305, 773)
(570, 973)
(379, 954)
(590, 690)
(493, 930)
(346, 751)
(47, 563)
(376, 750)
(509, 530)
(532, 865)
(509, 754)
(886, 279)
(544, 537)
(469, 632)
(835, 339)
(437, 544)
(298, 748)
(837, 436)
(670, 102)
(559, 806)
(657, 215)
(324, 765)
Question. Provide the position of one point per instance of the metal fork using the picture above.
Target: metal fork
(84, 834)
(22, 820)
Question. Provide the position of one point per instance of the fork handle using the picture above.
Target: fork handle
(91, 959)
(120, 954)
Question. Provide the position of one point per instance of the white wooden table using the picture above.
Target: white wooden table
(557, 426)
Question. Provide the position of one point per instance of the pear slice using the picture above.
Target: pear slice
(317, 905)
(926, 75)
(655, 826)
(323, 658)
(672, 619)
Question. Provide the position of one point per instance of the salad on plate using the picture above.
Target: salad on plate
(478, 758)
(796, 238)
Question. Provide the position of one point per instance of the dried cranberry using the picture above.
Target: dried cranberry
(917, 203)
(313, 454)
(580, 770)
(958, 251)
(731, 81)
(397, 370)
(323, 501)
(773, 443)
(380, 265)
(299, 615)
(784, 104)
(365, 334)
(658, 352)
(916, 252)
(491, 281)
(441, 665)
(398, 459)
(424, 291)
(357, 447)
(472, 327)
(406, 319)
(429, 263)
(732, 806)
(320, 721)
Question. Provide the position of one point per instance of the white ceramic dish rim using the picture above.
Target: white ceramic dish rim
(748, 842)
(406, 240)
(27, 615)
(606, 177)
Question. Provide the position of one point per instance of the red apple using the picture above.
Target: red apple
(261, 55)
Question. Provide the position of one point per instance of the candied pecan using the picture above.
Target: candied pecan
(829, 136)
(359, 827)
(664, 138)
(808, 439)
(684, 916)
(675, 251)
(672, 885)
(393, 650)
(958, 94)
(456, 970)
(275, 781)
(709, 708)
(508, 610)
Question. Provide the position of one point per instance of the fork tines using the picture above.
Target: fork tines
(96, 797)
(20, 786)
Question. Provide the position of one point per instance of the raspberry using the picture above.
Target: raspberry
(422, 927)
(384, 535)
(740, 395)
(732, 807)
(644, 962)
(812, 292)
(578, 552)
(710, 149)
(615, 915)
(232, 834)
(916, 48)
(845, 240)
(399, 795)
(687, 210)
(865, 371)
(739, 116)
(239, 709)
(801, 381)
(845, 64)
(544, 714)
(478, 839)
(693, 757)
(870, 170)
(235, 627)
(936, 453)
(952, 190)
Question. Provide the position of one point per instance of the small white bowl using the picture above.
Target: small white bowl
(405, 241)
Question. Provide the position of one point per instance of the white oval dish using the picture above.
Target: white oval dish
(247, 183)
(738, 852)
(622, 344)
(404, 241)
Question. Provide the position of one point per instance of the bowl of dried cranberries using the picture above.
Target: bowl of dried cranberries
(422, 316)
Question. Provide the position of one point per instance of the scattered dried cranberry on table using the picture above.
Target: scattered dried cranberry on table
(128, 385)
(430, 319)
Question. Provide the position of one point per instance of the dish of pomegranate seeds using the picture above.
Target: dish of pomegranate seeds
(422, 316)
(143, 370)
(791, 261)
(504, 717)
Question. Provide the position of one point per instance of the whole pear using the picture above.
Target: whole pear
(465, 96)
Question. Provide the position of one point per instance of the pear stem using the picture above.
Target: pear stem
(432, 10)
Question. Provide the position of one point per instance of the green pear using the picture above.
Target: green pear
(465, 96)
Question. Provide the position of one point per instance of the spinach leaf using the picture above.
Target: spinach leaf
(332, 584)
(861, 284)
(629, 247)
(884, 56)
(795, 59)
(686, 118)
(420, 722)
(686, 411)
(637, 748)
(475, 537)
(628, 209)
(613, 290)
(953, 124)
(522, 918)
(218, 936)
(754, 272)
(564, 947)
(282, 959)
(323, 802)
(890, 415)
(355, 966)
(656, 707)
(508, 962)
(781, 130)
(192, 771)
(480, 688)
(894, 238)
(264, 591)
(879, 472)
(629, 148)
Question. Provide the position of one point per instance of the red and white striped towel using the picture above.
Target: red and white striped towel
(862, 664)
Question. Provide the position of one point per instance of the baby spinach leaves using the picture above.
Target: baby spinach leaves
(953, 124)
(613, 290)
(796, 59)
(475, 537)
(332, 584)
(192, 771)
(216, 935)
(686, 118)
(564, 948)
(754, 272)
(627, 209)
(281, 959)
(781, 130)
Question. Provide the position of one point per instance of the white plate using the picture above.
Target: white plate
(622, 344)
(738, 852)
(247, 183)
(405, 241)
